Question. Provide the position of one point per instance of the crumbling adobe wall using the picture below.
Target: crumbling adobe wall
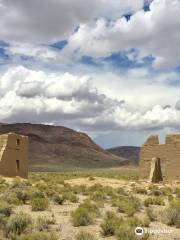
(13, 155)
(169, 154)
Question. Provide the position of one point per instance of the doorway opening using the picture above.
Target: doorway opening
(155, 172)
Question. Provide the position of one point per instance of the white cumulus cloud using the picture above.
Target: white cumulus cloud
(154, 33)
(66, 99)
(52, 20)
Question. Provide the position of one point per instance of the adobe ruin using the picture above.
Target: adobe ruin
(13, 155)
(160, 161)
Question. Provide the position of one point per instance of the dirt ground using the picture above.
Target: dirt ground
(62, 212)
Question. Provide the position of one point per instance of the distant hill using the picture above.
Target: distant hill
(56, 148)
(131, 153)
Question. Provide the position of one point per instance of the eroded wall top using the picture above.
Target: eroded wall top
(170, 139)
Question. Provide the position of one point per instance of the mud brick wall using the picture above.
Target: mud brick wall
(13, 155)
(169, 154)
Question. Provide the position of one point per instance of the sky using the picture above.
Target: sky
(110, 68)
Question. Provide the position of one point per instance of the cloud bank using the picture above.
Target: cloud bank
(44, 81)
(29, 95)
(154, 33)
(53, 20)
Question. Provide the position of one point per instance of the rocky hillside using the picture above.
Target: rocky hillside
(53, 148)
(131, 153)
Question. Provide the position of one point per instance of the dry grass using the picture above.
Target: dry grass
(84, 205)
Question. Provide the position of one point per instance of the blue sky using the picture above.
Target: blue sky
(108, 68)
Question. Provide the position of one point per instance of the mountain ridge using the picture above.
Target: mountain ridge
(57, 148)
(131, 153)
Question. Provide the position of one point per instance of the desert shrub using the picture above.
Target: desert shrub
(154, 201)
(10, 197)
(58, 199)
(151, 215)
(22, 196)
(170, 197)
(166, 191)
(18, 223)
(121, 191)
(140, 190)
(127, 204)
(153, 187)
(125, 232)
(113, 225)
(73, 198)
(70, 196)
(18, 183)
(98, 196)
(43, 223)
(177, 192)
(156, 192)
(5, 209)
(39, 203)
(39, 236)
(137, 221)
(3, 222)
(3, 188)
(109, 191)
(101, 190)
(80, 189)
(2, 180)
(171, 215)
(110, 224)
(84, 235)
(95, 187)
(37, 194)
(84, 214)
(91, 178)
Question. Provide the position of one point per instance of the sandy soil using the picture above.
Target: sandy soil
(62, 213)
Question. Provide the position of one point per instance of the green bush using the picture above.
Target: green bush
(39, 204)
(139, 190)
(171, 215)
(84, 235)
(58, 199)
(166, 191)
(125, 232)
(84, 214)
(151, 215)
(80, 189)
(18, 223)
(177, 192)
(10, 197)
(73, 198)
(37, 194)
(43, 223)
(3, 222)
(39, 236)
(22, 196)
(137, 221)
(156, 192)
(127, 204)
(121, 191)
(5, 209)
(109, 224)
(70, 196)
(91, 178)
(154, 201)
(98, 196)
(18, 183)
